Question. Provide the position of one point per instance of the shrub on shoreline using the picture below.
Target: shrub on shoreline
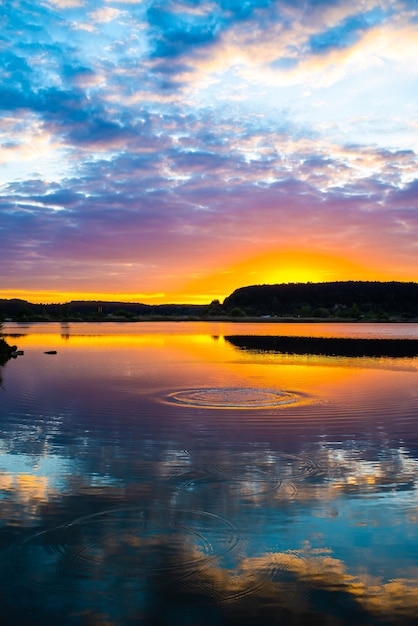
(4, 346)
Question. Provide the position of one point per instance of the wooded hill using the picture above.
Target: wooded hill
(351, 299)
(93, 310)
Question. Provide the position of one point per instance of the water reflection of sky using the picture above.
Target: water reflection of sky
(134, 509)
(52, 467)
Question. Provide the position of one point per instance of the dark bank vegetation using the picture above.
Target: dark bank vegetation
(380, 301)
(23, 311)
(332, 346)
(6, 350)
(335, 301)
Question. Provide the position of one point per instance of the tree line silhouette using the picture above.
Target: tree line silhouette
(350, 299)
(381, 301)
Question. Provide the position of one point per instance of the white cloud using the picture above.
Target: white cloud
(67, 4)
(106, 14)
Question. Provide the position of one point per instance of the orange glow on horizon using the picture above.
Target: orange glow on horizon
(286, 266)
(59, 297)
(290, 266)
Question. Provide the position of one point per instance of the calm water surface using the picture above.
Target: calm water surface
(174, 474)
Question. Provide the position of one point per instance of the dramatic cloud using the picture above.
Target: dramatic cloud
(169, 146)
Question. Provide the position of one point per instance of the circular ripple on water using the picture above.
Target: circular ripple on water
(233, 398)
(250, 473)
(147, 546)
(243, 479)
(277, 466)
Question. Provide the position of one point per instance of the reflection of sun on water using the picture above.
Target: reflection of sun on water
(189, 358)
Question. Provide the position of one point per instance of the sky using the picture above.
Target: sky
(172, 151)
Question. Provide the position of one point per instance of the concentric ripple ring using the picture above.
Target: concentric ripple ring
(233, 398)
(149, 545)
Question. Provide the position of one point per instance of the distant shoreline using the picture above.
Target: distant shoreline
(342, 302)
(220, 319)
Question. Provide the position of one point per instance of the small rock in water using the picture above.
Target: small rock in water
(50, 352)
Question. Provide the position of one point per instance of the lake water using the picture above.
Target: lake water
(167, 474)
